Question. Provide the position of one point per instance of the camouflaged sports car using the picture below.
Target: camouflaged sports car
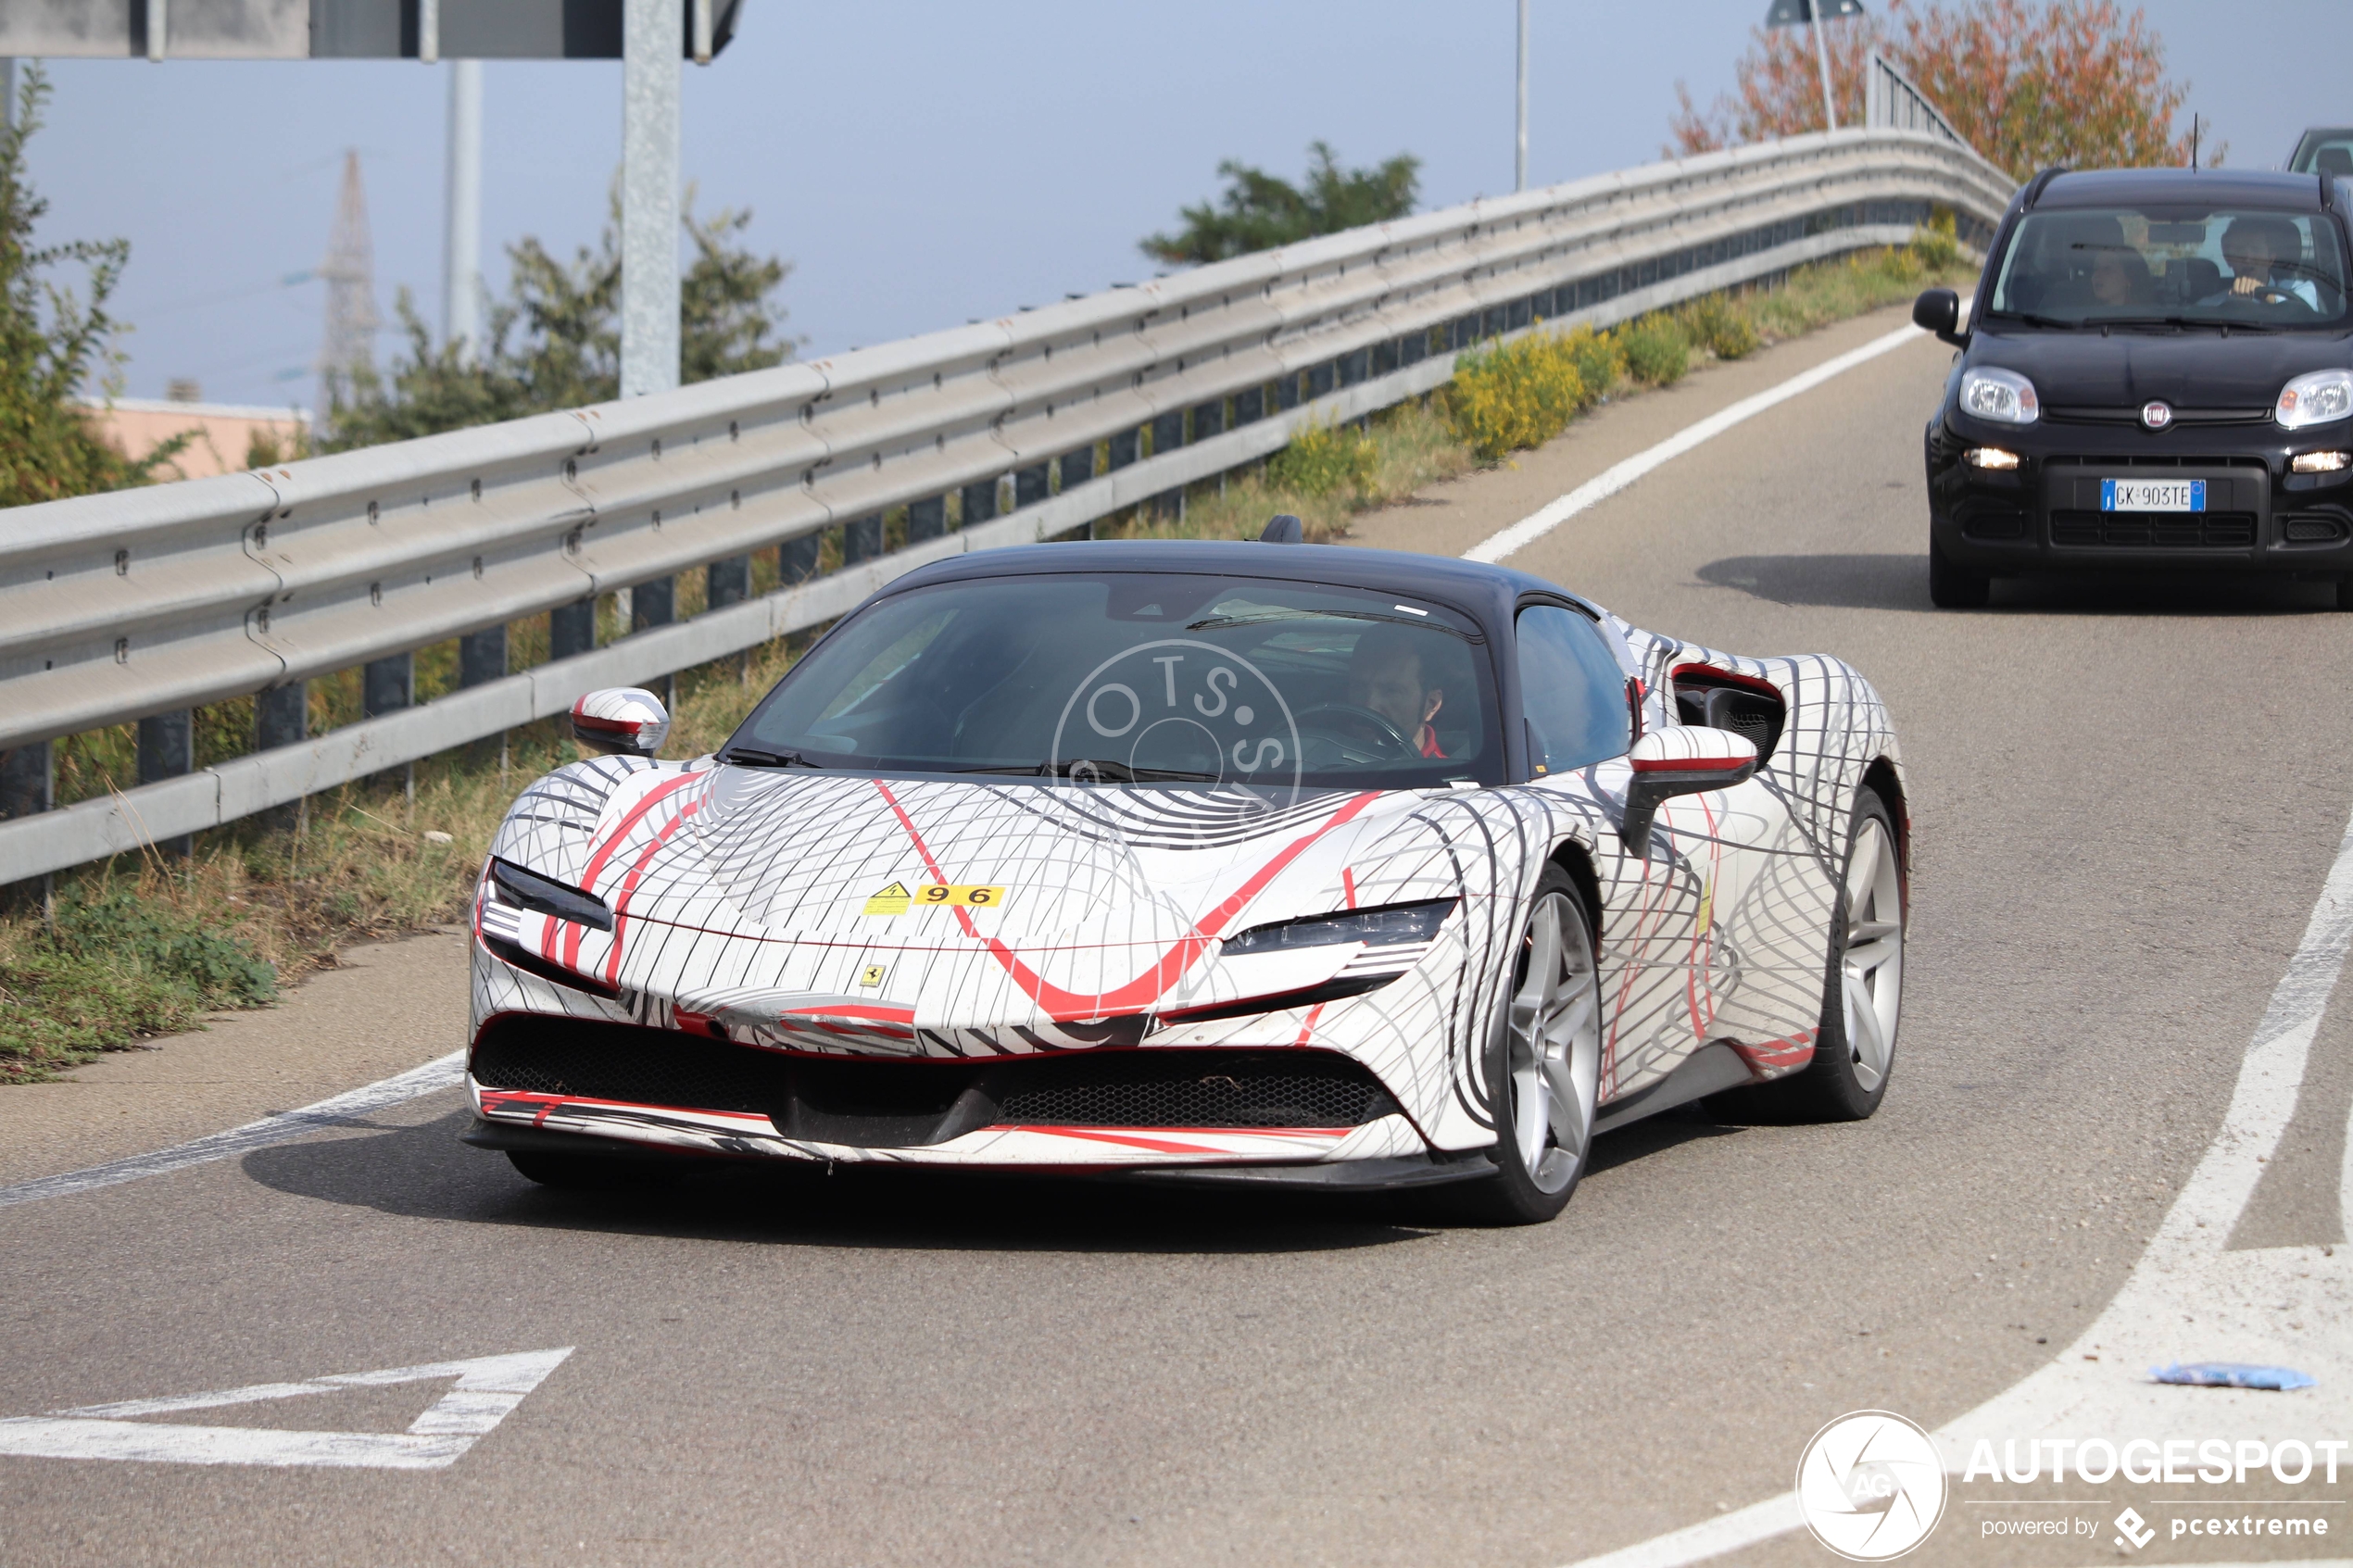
(1252, 863)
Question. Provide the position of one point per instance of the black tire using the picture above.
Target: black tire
(1516, 1194)
(2344, 593)
(1834, 1086)
(586, 1173)
(1953, 586)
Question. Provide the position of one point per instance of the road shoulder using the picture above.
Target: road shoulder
(385, 1008)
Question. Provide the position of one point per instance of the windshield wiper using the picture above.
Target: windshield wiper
(2032, 319)
(751, 756)
(1102, 768)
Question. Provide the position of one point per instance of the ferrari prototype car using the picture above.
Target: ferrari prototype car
(1246, 863)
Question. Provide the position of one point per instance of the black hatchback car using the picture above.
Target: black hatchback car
(2156, 376)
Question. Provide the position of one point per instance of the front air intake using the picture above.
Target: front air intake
(871, 1102)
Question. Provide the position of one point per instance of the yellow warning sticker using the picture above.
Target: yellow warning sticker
(891, 900)
(872, 974)
(973, 896)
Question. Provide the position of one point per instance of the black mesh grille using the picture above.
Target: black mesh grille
(2311, 530)
(555, 1056)
(2153, 530)
(1195, 1090)
(880, 1103)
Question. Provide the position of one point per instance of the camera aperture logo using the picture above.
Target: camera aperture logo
(1871, 1486)
(1176, 708)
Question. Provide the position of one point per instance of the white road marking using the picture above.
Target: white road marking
(1534, 526)
(2188, 1298)
(342, 1109)
(487, 1387)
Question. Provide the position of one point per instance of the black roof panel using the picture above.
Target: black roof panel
(1471, 586)
(2214, 187)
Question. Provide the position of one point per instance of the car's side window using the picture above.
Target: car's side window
(1572, 691)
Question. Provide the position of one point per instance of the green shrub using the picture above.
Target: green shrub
(1935, 244)
(1601, 363)
(1658, 352)
(1323, 459)
(1509, 396)
(1721, 325)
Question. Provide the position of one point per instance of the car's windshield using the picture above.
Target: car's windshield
(1135, 677)
(2173, 265)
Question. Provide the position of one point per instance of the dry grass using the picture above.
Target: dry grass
(142, 946)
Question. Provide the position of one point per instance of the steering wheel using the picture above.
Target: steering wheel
(1385, 735)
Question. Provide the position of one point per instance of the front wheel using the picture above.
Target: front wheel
(1862, 993)
(1544, 1062)
(1952, 586)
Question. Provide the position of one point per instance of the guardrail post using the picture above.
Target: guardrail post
(797, 559)
(1030, 485)
(729, 580)
(387, 685)
(653, 604)
(1168, 433)
(28, 785)
(1287, 392)
(281, 717)
(1319, 380)
(926, 519)
(1123, 446)
(572, 629)
(862, 539)
(481, 656)
(166, 750)
(980, 502)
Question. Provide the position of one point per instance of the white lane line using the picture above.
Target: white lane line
(1534, 526)
(440, 1074)
(488, 1387)
(2226, 1306)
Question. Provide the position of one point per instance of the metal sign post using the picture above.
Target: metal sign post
(650, 196)
(1813, 13)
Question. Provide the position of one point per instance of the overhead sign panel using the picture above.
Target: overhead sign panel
(342, 30)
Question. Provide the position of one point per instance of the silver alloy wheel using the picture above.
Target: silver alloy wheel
(1554, 1061)
(1872, 965)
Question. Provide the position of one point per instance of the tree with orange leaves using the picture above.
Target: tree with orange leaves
(2028, 84)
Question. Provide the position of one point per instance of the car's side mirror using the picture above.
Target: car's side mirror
(1939, 311)
(1679, 759)
(622, 721)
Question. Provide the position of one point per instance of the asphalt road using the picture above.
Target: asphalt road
(2124, 804)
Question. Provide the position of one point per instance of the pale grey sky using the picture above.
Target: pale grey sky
(922, 163)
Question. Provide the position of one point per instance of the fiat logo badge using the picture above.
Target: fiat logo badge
(2157, 416)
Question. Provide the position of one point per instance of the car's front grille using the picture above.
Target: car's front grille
(886, 1103)
(1209, 1089)
(2200, 417)
(2153, 530)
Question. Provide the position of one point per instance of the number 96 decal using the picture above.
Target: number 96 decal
(938, 892)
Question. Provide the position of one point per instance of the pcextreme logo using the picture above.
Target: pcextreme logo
(1871, 1486)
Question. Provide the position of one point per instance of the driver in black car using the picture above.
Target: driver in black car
(2252, 248)
(1385, 675)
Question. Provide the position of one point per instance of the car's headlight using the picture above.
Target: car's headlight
(2003, 397)
(2315, 399)
(509, 883)
(1391, 925)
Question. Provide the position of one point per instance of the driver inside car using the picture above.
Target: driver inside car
(2252, 248)
(1385, 675)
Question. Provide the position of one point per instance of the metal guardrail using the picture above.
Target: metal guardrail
(138, 603)
(1891, 102)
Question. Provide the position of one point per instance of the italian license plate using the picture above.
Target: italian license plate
(2152, 495)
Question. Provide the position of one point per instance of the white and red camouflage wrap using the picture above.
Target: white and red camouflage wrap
(758, 906)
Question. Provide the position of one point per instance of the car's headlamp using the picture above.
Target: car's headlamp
(1391, 925)
(509, 883)
(2003, 397)
(2315, 399)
